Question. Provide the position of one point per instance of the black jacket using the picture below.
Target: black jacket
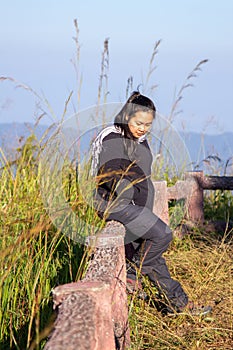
(125, 177)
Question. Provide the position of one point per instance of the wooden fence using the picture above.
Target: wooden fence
(93, 313)
(191, 189)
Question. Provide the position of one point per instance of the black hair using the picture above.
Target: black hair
(135, 103)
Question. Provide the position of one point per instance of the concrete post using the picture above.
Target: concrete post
(161, 201)
(195, 199)
(84, 317)
(93, 313)
(108, 265)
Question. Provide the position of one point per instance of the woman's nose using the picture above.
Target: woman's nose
(141, 127)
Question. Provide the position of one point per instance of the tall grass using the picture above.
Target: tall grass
(36, 255)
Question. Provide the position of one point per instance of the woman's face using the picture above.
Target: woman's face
(140, 123)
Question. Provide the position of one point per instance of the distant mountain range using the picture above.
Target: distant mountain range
(215, 148)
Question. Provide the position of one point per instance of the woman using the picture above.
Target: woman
(125, 193)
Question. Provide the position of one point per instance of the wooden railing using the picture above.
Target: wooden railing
(92, 314)
(191, 189)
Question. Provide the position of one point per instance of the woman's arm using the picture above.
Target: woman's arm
(115, 169)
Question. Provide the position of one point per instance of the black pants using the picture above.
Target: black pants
(149, 235)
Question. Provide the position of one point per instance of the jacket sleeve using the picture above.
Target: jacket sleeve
(114, 170)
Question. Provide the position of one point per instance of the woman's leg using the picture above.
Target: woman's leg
(146, 231)
(155, 267)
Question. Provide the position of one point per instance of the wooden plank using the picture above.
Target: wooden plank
(217, 182)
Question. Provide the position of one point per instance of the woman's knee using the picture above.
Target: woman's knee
(168, 237)
(162, 232)
(161, 236)
(164, 241)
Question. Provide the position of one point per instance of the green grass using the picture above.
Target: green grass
(218, 205)
(36, 256)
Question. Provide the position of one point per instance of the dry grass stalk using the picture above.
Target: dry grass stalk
(187, 83)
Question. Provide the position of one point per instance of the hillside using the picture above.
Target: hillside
(200, 147)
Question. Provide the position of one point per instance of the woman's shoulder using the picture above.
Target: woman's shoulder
(112, 135)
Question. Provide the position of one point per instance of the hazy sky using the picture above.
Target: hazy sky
(37, 46)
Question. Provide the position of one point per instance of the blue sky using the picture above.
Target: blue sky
(37, 46)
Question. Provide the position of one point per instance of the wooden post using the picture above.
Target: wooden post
(160, 207)
(93, 313)
(195, 199)
(109, 265)
(84, 317)
(191, 189)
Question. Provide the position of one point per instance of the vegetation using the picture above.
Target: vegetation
(36, 256)
(203, 264)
